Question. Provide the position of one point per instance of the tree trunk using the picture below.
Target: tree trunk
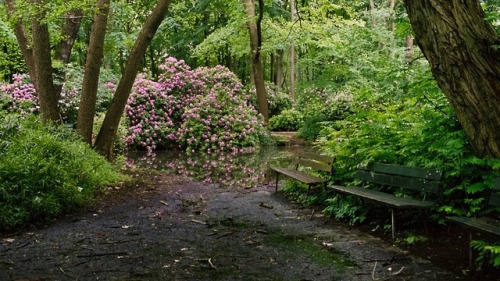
(292, 55)
(106, 138)
(460, 47)
(392, 15)
(69, 32)
(409, 48)
(279, 76)
(24, 43)
(95, 54)
(254, 28)
(49, 106)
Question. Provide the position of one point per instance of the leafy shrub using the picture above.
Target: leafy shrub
(276, 98)
(288, 120)
(320, 109)
(487, 252)
(20, 95)
(204, 109)
(45, 171)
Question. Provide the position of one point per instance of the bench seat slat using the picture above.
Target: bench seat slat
(300, 176)
(481, 224)
(382, 197)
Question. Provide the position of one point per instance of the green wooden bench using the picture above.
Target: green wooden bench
(490, 224)
(308, 160)
(391, 177)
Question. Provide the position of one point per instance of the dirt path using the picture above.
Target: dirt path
(173, 228)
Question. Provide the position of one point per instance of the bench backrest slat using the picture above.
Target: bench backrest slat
(314, 161)
(418, 179)
(495, 194)
(317, 157)
(313, 164)
(429, 174)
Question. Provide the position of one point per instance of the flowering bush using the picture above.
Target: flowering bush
(205, 109)
(19, 96)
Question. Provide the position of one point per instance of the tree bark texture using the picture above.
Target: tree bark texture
(72, 22)
(255, 45)
(95, 55)
(279, 74)
(49, 106)
(106, 138)
(23, 41)
(459, 45)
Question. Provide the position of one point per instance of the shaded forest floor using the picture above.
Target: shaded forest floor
(168, 227)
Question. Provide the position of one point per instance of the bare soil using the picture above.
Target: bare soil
(168, 227)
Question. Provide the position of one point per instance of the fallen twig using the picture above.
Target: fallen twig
(64, 272)
(211, 264)
(103, 254)
(264, 205)
(386, 278)
(199, 222)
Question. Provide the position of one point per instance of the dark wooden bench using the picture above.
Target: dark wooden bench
(312, 161)
(490, 224)
(391, 177)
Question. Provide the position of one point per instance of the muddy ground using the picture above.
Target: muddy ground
(168, 227)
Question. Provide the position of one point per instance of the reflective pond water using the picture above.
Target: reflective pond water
(225, 170)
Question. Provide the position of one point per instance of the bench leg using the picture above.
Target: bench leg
(277, 176)
(393, 222)
(471, 262)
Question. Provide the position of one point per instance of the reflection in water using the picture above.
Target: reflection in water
(226, 170)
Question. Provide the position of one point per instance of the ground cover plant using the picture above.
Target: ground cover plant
(46, 171)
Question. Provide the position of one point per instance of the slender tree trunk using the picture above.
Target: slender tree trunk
(106, 138)
(292, 56)
(43, 65)
(372, 11)
(279, 75)
(95, 54)
(24, 42)
(409, 48)
(254, 28)
(460, 47)
(392, 15)
(69, 32)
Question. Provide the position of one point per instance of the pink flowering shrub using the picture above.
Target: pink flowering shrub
(205, 109)
(19, 96)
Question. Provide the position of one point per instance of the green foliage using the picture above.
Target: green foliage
(297, 191)
(346, 208)
(11, 60)
(487, 252)
(320, 108)
(45, 171)
(287, 120)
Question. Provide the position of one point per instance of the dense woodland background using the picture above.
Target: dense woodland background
(392, 81)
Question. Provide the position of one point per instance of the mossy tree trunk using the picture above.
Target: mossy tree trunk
(106, 138)
(463, 51)
(95, 55)
(44, 85)
(254, 27)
